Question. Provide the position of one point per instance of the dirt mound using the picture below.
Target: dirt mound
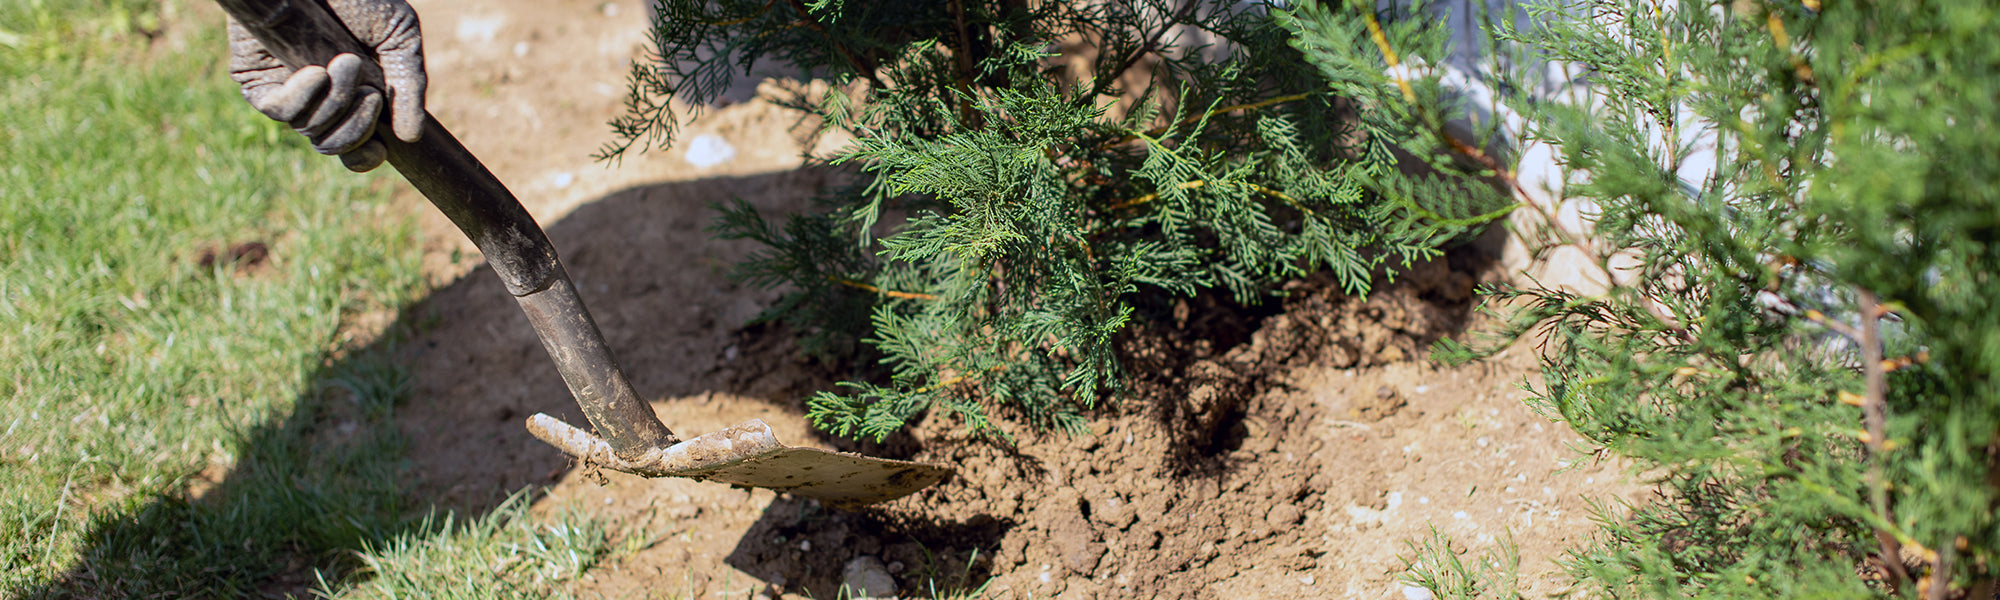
(1210, 469)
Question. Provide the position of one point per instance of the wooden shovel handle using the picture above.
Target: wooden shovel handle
(305, 32)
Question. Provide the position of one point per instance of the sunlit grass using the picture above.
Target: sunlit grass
(126, 364)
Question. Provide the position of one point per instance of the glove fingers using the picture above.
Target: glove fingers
(338, 105)
(289, 100)
(355, 129)
(392, 29)
(366, 157)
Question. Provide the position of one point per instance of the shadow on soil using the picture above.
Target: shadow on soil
(428, 419)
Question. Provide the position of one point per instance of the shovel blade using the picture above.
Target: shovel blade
(749, 455)
(837, 478)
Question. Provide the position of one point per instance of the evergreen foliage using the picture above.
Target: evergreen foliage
(1037, 165)
(1803, 347)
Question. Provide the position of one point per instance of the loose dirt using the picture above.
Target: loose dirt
(1288, 450)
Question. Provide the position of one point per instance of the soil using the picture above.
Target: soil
(1289, 450)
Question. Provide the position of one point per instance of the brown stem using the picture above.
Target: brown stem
(971, 117)
(1940, 577)
(1875, 415)
(890, 293)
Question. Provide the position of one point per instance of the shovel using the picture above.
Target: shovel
(304, 32)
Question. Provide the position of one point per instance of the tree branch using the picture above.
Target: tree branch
(1875, 416)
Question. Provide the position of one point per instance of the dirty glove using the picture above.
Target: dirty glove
(330, 104)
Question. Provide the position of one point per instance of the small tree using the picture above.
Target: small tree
(1804, 353)
(1045, 162)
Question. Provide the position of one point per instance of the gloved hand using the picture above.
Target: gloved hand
(330, 104)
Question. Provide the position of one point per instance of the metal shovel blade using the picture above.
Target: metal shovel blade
(749, 454)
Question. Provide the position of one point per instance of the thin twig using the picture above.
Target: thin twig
(1189, 185)
(890, 293)
(1388, 54)
(1161, 130)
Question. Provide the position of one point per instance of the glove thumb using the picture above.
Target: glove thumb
(402, 57)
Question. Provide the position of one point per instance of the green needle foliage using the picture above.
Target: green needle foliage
(1805, 353)
(1032, 167)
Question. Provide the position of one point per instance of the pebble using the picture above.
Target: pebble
(1282, 516)
(866, 577)
(1411, 592)
(708, 150)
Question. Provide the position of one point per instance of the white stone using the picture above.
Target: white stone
(708, 150)
(1411, 592)
(866, 577)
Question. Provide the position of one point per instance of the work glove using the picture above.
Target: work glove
(330, 104)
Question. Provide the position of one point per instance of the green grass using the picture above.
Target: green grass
(127, 368)
(504, 554)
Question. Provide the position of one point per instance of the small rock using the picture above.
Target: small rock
(1385, 403)
(866, 577)
(1282, 517)
(1411, 592)
(1114, 512)
(708, 150)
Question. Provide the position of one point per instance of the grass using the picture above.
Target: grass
(174, 429)
(504, 554)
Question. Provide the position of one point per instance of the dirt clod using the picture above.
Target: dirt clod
(245, 258)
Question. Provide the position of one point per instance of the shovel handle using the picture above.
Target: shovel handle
(305, 32)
